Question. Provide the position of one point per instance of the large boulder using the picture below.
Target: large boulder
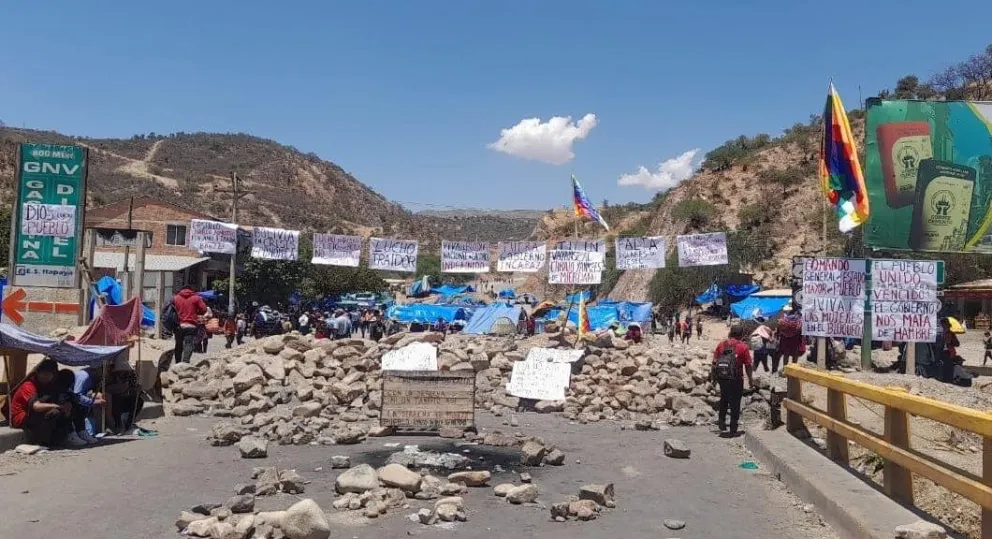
(305, 520)
(401, 477)
(361, 478)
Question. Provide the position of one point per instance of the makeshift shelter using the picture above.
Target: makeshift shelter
(574, 298)
(451, 290)
(484, 320)
(425, 314)
(733, 292)
(114, 325)
(111, 290)
(765, 304)
(419, 288)
(507, 293)
(630, 311)
(600, 316)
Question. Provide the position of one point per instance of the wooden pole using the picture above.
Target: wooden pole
(128, 281)
(236, 194)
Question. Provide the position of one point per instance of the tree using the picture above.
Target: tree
(5, 216)
(697, 212)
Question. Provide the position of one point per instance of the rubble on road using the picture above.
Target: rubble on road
(592, 499)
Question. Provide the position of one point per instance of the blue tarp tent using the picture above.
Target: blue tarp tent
(767, 306)
(507, 293)
(574, 298)
(451, 290)
(742, 290)
(735, 291)
(418, 289)
(630, 311)
(425, 313)
(484, 317)
(109, 287)
(710, 295)
(65, 352)
(600, 316)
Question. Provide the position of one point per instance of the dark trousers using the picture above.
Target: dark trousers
(46, 429)
(185, 341)
(731, 393)
(125, 411)
(988, 356)
(761, 358)
(230, 341)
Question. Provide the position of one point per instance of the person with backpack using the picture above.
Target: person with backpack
(731, 361)
(190, 312)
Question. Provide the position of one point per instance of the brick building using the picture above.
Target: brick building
(167, 256)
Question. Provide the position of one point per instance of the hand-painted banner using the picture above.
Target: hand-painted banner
(464, 257)
(540, 380)
(575, 267)
(640, 253)
(51, 220)
(213, 237)
(275, 243)
(904, 303)
(335, 250)
(393, 255)
(522, 256)
(703, 250)
(588, 246)
(833, 298)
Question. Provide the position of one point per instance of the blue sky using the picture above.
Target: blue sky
(408, 95)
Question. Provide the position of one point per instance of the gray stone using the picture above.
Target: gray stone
(273, 345)
(920, 530)
(413, 457)
(305, 520)
(559, 511)
(477, 478)
(308, 409)
(201, 528)
(242, 503)
(339, 462)
(224, 434)
(676, 449)
(525, 477)
(359, 479)
(522, 494)
(186, 517)
(253, 448)
(447, 512)
(397, 476)
(249, 376)
(555, 457)
(599, 493)
(502, 489)
(348, 435)
(291, 482)
(532, 453)
(425, 516)
(673, 524)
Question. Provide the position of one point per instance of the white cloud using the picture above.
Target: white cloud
(550, 142)
(670, 173)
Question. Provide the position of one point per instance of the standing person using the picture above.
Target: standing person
(354, 319)
(987, 341)
(731, 361)
(699, 328)
(230, 331)
(671, 334)
(242, 327)
(760, 338)
(790, 337)
(686, 331)
(191, 311)
(304, 322)
(343, 324)
(376, 327)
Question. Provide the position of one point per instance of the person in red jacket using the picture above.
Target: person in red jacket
(732, 383)
(191, 310)
(31, 409)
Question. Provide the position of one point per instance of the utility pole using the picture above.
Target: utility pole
(236, 194)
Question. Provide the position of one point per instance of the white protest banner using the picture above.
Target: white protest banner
(521, 256)
(576, 267)
(464, 257)
(213, 237)
(640, 253)
(393, 255)
(419, 356)
(554, 355)
(587, 246)
(703, 250)
(335, 250)
(833, 299)
(52, 220)
(274, 243)
(540, 380)
(904, 302)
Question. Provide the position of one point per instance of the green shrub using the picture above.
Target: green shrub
(697, 212)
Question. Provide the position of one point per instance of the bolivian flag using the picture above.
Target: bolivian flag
(841, 177)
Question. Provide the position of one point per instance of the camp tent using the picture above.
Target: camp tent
(507, 293)
(600, 316)
(630, 311)
(114, 295)
(485, 318)
(574, 298)
(425, 313)
(765, 304)
(451, 290)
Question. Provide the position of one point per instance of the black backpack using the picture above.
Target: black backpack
(170, 317)
(725, 367)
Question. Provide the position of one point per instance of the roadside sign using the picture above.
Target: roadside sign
(16, 304)
(48, 215)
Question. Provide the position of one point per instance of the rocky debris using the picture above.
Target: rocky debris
(676, 449)
(673, 524)
(242, 503)
(523, 494)
(361, 478)
(601, 494)
(475, 478)
(525, 477)
(502, 489)
(920, 529)
(305, 520)
(587, 505)
(532, 453)
(269, 481)
(340, 462)
(397, 476)
(583, 509)
(253, 448)
(413, 457)
(328, 392)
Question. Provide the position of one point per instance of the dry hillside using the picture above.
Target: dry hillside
(288, 188)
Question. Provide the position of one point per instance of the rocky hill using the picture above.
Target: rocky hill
(288, 188)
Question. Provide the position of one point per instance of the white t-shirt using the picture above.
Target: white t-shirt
(304, 320)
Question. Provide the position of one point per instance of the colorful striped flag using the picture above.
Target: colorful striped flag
(584, 208)
(841, 177)
(583, 317)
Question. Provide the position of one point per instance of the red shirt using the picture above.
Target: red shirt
(742, 350)
(189, 306)
(20, 405)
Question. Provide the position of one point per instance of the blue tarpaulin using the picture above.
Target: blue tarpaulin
(483, 318)
(630, 311)
(425, 313)
(451, 290)
(507, 293)
(742, 290)
(600, 316)
(574, 298)
(65, 352)
(109, 287)
(735, 291)
(418, 289)
(710, 295)
(752, 306)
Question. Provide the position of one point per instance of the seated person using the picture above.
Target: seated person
(35, 410)
(634, 333)
(126, 401)
(88, 396)
(65, 382)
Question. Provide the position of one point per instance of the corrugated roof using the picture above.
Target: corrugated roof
(152, 262)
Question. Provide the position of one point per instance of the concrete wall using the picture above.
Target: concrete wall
(148, 215)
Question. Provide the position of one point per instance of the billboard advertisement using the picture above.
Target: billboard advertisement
(48, 215)
(928, 171)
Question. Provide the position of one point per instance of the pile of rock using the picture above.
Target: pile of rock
(295, 389)
(587, 505)
(269, 481)
(303, 520)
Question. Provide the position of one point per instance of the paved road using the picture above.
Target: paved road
(135, 489)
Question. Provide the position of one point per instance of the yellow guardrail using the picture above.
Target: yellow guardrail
(901, 461)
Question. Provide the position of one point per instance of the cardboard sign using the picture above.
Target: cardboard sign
(554, 355)
(904, 302)
(833, 297)
(588, 246)
(521, 256)
(393, 255)
(576, 267)
(464, 257)
(703, 250)
(335, 250)
(427, 400)
(418, 356)
(213, 237)
(640, 253)
(48, 220)
(275, 243)
(540, 380)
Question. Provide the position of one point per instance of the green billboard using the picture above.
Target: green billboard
(928, 171)
(48, 215)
